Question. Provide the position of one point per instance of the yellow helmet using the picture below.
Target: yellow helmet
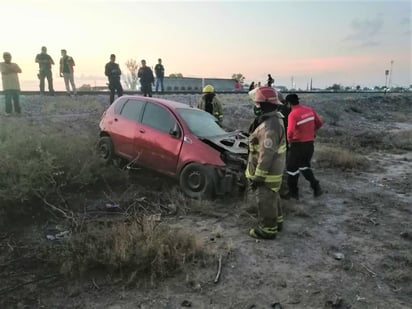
(208, 89)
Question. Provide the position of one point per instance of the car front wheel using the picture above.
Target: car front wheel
(105, 149)
(197, 180)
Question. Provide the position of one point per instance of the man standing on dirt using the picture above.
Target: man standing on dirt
(303, 122)
(45, 64)
(160, 74)
(67, 71)
(266, 161)
(11, 85)
(113, 72)
(145, 74)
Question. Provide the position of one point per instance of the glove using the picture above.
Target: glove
(256, 182)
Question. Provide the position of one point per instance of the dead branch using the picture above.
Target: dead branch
(95, 284)
(219, 269)
(10, 289)
(69, 217)
(369, 270)
(373, 221)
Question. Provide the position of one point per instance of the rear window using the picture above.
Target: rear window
(132, 109)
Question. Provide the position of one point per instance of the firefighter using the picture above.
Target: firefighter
(210, 103)
(266, 161)
(303, 122)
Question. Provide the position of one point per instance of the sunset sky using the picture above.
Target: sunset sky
(345, 42)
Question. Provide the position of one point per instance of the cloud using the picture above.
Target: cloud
(364, 32)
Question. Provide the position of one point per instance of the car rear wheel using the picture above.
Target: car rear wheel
(105, 149)
(197, 180)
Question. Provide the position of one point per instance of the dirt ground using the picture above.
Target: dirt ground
(349, 248)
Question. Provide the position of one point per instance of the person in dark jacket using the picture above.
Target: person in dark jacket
(145, 74)
(113, 72)
(45, 62)
(270, 80)
(303, 122)
(160, 74)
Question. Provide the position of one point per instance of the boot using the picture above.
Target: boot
(293, 194)
(264, 232)
(317, 190)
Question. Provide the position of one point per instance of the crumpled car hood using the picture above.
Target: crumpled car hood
(234, 142)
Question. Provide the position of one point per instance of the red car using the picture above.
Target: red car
(175, 139)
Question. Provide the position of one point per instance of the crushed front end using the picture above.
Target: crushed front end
(233, 149)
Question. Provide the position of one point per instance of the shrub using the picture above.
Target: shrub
(336, 157)
(41, 161)
(143, 246)
(399, 139)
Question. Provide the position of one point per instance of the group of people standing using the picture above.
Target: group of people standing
(11, 85)
(66, 70)
(145, 75)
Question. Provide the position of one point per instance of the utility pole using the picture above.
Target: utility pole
(311, 85)
(390, 75)
(291, 80)
(386, 78)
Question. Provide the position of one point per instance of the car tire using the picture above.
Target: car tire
(197, 181)
(105, 149)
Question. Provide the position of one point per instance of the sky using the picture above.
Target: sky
(345, 42)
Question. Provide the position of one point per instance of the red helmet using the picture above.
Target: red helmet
(265, 94)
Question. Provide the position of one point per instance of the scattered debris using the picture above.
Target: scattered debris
(406, 235)
(186, 303)
(369, 270)
(112, 206)
(219, 269)
(338, 256)
(337, 302)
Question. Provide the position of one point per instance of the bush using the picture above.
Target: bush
(399, 139)
(336, 157)
(40, 161)
(143, 246)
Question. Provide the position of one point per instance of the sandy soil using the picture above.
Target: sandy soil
(350, 248)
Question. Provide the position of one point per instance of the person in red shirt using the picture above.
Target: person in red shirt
(303, 122)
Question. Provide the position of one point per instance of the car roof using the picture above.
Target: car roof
(168, 103)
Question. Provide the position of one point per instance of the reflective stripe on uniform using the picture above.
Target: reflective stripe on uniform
(312, 118)
(253, 148)
(293, 173)
(280, 219)
(298, 170)
(260, 172)
(282, 148)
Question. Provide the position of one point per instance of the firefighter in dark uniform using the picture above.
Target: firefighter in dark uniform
(266, 161)
(210, 103)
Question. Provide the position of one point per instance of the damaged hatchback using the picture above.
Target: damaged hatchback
(176, 140)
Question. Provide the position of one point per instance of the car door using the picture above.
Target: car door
(160, 139)
(125, 128)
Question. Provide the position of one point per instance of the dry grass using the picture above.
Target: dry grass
(400, 140)
(328, 156)
(142, 247)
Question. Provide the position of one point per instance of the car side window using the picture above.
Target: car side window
(132, 109)
(158, 117)
(119, 105)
